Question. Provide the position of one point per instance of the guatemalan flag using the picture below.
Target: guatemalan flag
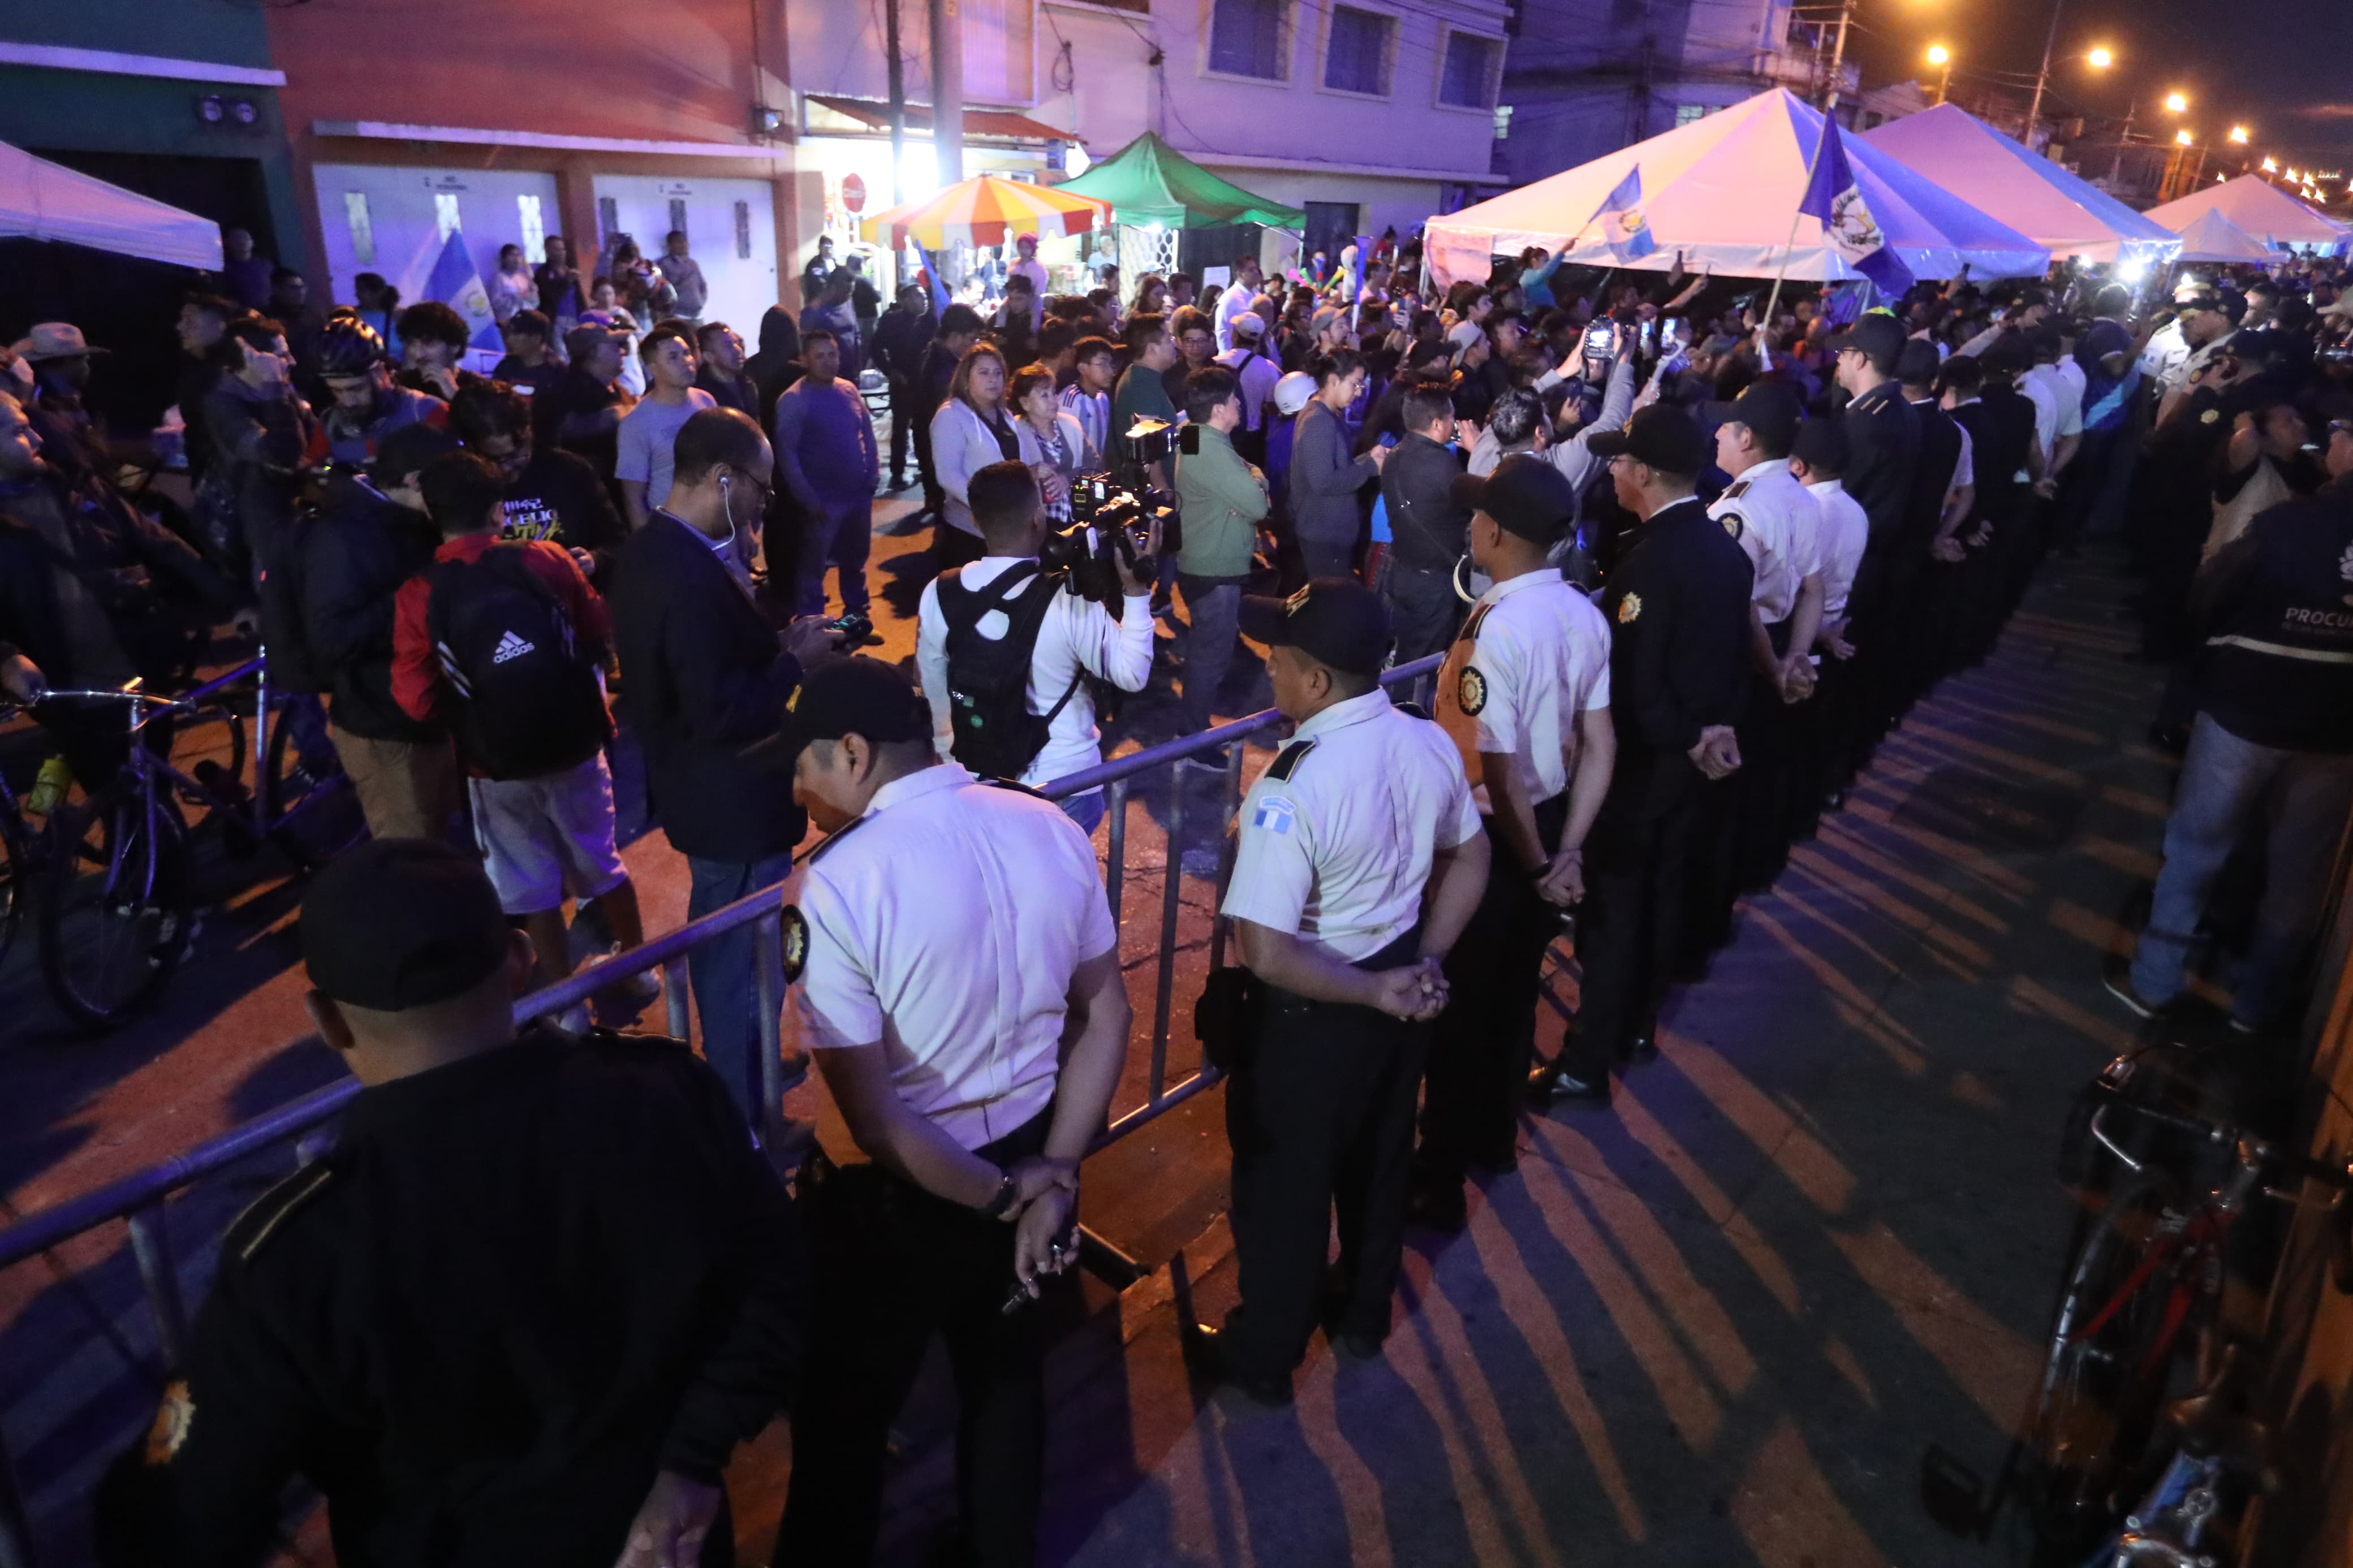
(1834, 196)
(939, 290)
(1620, 225)
(456, 284)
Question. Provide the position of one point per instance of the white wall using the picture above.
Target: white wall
(742, 286)
(403, 234)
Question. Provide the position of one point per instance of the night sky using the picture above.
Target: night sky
(2282, 67)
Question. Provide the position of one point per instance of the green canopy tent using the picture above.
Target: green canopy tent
(1157, 194)
(1148, 182)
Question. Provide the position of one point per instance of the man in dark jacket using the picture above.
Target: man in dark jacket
(777, 364)
(721, 371)
(1678, 606)
(524, 1313)
(552, 494)
(703, 677)
(372, 536)
(2273, 738)
(1884, 439)
(1430, 528)
(903, 336)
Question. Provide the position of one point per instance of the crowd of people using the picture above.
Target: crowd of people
(1685, 558)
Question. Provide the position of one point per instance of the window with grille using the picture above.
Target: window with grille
(362, 227)
(1357, 56)
(676, 215)
(1246, 37)
(743, 231)
(1469, 71)
(608, 219)
(534, 229)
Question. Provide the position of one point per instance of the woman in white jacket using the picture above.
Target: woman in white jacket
(974, 428)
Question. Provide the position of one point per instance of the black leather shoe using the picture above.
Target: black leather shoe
(1644, 1049)
(1356, 1347)
(1205, 1354)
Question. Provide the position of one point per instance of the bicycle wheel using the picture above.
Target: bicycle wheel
(314, 812)
(117, 919)
(2114, 1356)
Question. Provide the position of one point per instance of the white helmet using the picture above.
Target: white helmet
(1293, 392)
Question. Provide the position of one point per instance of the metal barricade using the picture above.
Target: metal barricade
(139, 1199)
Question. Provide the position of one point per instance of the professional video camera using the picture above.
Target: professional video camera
(1108, 527)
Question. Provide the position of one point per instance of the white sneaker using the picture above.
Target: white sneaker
(643, 987)
(574, 1020)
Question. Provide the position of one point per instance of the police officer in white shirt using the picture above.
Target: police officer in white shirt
(1776, 523)
(1075, 636)
(1525, 694)
(1360, 861)
(959, 984)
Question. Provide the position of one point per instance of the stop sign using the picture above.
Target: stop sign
(853, 192)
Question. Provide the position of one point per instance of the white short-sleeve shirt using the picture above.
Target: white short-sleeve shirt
(946, 924)
(1774, 522)
(1337, 851)
(1846, 529)
(1539, 660)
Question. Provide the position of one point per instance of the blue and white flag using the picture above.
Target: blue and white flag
(931, 276)
(1621, 224)
(456, 284)
(1834, 197)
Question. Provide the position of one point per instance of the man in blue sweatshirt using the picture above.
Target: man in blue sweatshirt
(828, 461)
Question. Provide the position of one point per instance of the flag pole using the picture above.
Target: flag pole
(1797, 216)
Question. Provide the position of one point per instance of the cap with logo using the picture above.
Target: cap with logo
(847, 696)
(1333, 620)
(1878, 336)
(397, 923)
(1772, 410)
(1662, 437)
(1525, 495)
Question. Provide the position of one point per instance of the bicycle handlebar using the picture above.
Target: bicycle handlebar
(2259, 1153)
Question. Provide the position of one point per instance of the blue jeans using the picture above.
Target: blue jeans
(1086, 810)
(2224, 782)
(1214, 606)
(726, 994)
(840, 536)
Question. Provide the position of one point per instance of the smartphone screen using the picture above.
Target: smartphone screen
(1599, 339)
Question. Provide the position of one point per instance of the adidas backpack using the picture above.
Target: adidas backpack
(523, 700)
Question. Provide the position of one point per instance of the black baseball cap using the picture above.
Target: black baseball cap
(1525, 495)
(1876, 335)
(1916, 363)
(397, 923)
(1823, 445)
(2233, 304)
(1772, 410)
(847, 696)
(1659, 435)
(1333, 620)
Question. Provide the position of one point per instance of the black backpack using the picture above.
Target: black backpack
(524, 699)
(992, 731)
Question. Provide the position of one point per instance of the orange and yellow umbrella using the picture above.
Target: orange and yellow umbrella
(985, 210)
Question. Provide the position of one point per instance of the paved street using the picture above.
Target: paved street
(1722, 1325)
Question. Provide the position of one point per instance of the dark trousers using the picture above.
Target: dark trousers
(1327, 560)
(895, 1265)
(1424, 609)
(952, 547)
(903, 420)
(1631, 922)
(1319, 1114)
(919, 422)
(1767, 733)
(1485, 1041)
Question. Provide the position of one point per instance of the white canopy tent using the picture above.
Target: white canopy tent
(1721, 192)
(41, 200)
(2210, 237)
(2030, 193)
(2259, 208)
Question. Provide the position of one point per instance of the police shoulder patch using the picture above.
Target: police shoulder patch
(1471, 690)
(1274, 814)
(1629, 608)
(1733, 524)
(1286, 761)
(2210, 416)
(169, 1431)
(796, 932)
(261, 1218)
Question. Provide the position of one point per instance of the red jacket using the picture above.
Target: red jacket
(416, 679)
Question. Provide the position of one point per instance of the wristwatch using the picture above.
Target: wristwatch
(1006, 1190)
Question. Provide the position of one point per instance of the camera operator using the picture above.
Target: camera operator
(1004, 646)
(1519, 422)
(1223, 500)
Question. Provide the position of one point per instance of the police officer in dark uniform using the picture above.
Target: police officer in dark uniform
(1362, 814)
(523, 1313)
(1679, 661)
(1884, 449)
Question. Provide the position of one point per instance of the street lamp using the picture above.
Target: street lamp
(2271, 166)
(2184, 138)
(2176, 103)
(2099, 59)
(1940, 55)
(2239, 134)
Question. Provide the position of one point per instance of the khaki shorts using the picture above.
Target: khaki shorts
(407, 789)
(543, 838)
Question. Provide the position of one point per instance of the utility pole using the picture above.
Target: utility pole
(2116, 163)
(1838, 60)
(2042, 78)
(898, 101)
(947, 89)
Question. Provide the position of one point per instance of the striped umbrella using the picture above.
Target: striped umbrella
(985, 210)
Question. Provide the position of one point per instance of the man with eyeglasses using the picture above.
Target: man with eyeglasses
(703, 677)
(2273, 735)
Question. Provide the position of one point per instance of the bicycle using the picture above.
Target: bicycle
(2143, 1298)
(117, 916)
